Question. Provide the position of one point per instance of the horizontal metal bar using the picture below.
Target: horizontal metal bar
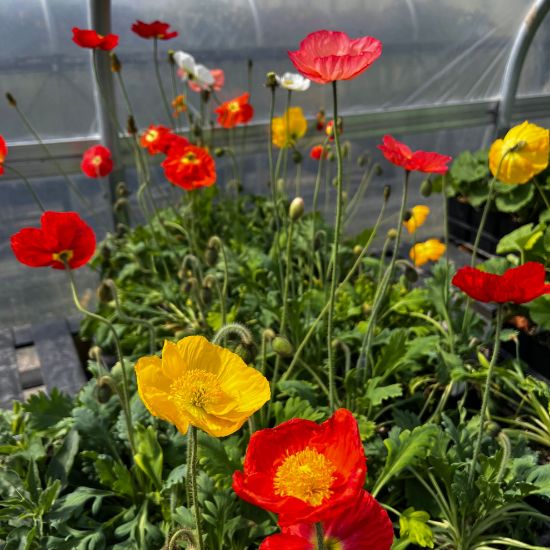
(29, 156)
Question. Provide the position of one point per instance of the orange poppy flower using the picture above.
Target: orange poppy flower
(189, 166)
(235, 111)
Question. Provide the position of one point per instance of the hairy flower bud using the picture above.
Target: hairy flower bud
(219, 151)
(116, 65)
(426, 187)
(296, 209)
(282, 346)
(357, 249)
(271, 80)
(131, 126)
(11, 100)
(104, 292)
(297, 156)
(122, 189)
(387, 192)
(211, 256)
(391, 234)
(268, 334)
(378, 171)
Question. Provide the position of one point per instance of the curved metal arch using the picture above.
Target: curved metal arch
(510, 80)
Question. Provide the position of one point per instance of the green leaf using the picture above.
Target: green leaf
(522, 238)
(515, 199)
(413, 525)
(47, 410)
(294, 407)
(470, 167)
(539, 311)
(48, 496)
(377, 394)
(149, 454)
(62, 462)
(111, 473)
(73, 503)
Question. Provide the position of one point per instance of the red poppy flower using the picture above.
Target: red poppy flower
(235, 111)
(219, 81)
(421, 161)
(325, 56)
(92, 39)
(329, 129)
(156, 29)
(318, 151)
(518, 285)
(97, 162)
(3, 154)
(63, 236)
(304, 471)
(189, 166)
(157, 139)
(363, 525)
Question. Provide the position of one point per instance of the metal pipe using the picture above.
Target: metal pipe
(512, 72)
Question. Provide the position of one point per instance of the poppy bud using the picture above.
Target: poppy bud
(387, 192)
(120, 204)
(268, 334)
(378, 170)
(366, 309)
(411, 274)
(190, 284)
(391, 234)
(282, 347)
(363, 159)
(407, 216)
(426, 187)
(116, 65)
(105, 251)
(211, 256)
(103, 390)
(357, 249)
(121, 230)
(206, 295)
(131, 126)
(122, 189)
(297, 156)
(280, 185)
(271, 80)
(104, 292)
(346, 149)
(219, 151)
(94, 353)
(296, 209)
(171, 59)
(247, 352)
(345, 197)
(11, 100)
(492, 428)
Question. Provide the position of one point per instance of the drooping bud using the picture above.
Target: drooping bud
(378, 171)
(282, 346)
(11, 100)
(426, 187)
(219, 151)
(357, 249)
(247, 352)
(387, 192)
(296, 209)
(116, 65)
(280, 185)
(363, 159)
(391, 234)
(268, 334)
(120, 204)
(211, 256)
(121, 230)
(131, 126)
(271, 80)
(122, 189)
(407, 216)
(411, 274)
(171, 59)
(104, 292)
(346, 148)
(297, 156)
(206, 294)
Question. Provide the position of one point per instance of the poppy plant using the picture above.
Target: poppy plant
(97, 162)
(304, 471)
(326, 56)
(91, 39)
(3, 153)
(363, 525)
(418, 161)
(189, 166)
(517, 285)
(202, 384)
(157, 139)
(62, 237)
(329, 128)
(428, 251)
(318, 151)
(521, 154)
(156, 29)
(419, 214)
(293, 82)
(289, 128)
(235, 111)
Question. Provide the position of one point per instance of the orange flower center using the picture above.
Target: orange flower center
(196, 388)
(189, 158)
(65, 256)
(151, 135)
(97, 160)
(307, 475)
(233, 106)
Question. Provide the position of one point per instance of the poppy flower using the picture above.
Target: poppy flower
(419, 214)
(329, 129)
(289, 128)
(157, 139)
(198, 383)
(156, 29)
(219, 80)
(517, 285)
(189, 166)
(429, 251)
(318, 151)
(97, 162)
(320, 120)
(190, 70)
(63, 236)
(326, 56)
(304, 471)
(420, 161)
(235, 111)
(363, 525)
(293, 82)
(522, 154)
(91, 39)
(3, 153)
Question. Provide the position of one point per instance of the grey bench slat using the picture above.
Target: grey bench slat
(10, 384)
(58, 357)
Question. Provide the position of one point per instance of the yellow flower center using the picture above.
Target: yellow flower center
(96, 161)
(332, 544)
(196, 388)
(307, 475)
(233, 106)
(152, 135)
(189, 158)
(63, 256)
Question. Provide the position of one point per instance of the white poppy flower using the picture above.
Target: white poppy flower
(190, 69)
(294, 82)
(203, 76)
(185, 61)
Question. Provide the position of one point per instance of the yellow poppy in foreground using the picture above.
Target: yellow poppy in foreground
(522, 154)
(289, 128)
(431, 250)
(419, 213)
(198, 383)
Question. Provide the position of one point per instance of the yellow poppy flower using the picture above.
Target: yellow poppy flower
(289, 128)
(522, 154)
(201, 384)
(431, 250)
(419, 213)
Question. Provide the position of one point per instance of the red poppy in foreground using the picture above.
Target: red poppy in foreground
(518, 284)
(420, 161)
(156, 29)
(364, 525)
(64, 236)
(157, 139)
(91, 39)
(235, 111)
(304, 471)
(189, 166)
(318, 151)
(3, 154)
(97, 162)
(325, 56)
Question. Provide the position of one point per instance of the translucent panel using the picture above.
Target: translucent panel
(48, 74)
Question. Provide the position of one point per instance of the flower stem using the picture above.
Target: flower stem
(29, 186)
(541, 192)
(485, 400)
(159, 81)
(320, 537)
(194, 492)
(125, 391)
(337, 227)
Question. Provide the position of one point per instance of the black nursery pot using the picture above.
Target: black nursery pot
(534, 350)
(464, 221)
